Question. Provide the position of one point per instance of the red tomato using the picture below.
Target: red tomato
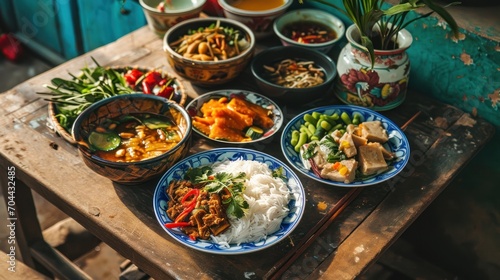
(166, 92)
(132, 75)
(150, 81)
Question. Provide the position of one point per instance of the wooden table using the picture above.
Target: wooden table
(442, 138)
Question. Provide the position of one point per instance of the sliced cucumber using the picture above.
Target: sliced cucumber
(254, 132)
(154, 123)
(104, 141)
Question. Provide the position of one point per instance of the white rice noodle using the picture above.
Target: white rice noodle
(267, 197)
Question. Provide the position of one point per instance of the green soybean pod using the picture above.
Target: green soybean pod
(325, 125)
(305, 130)
(357, 116)
(310, 119)
(335, 116)
(345, 118)
(295, 137)
(311, 128)
(316, 115)
(302, 140)
(338, 126)
(330, 119)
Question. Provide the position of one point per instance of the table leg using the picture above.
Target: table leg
(22, 218)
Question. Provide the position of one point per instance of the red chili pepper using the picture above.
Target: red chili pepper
(150, 81)
(185, 212)
(193, 192)
(189, 206)
(132, 75)
(177, 224)
(166, 92)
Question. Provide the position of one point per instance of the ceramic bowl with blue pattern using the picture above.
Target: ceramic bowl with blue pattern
(397, 144)
(194, 107)
(289, 223)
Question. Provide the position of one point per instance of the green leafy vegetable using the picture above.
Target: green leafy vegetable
(73, 96)
(310, 153)
(222, 182)
(279, 173)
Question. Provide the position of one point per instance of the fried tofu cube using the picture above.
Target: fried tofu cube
(336, 134)
(387, 154)
(371, 160)
(358, 140)
(343, 171)
(373, 131)
(346, 145)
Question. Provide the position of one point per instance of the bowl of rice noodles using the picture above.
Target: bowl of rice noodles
(229, 201)
(293, 75)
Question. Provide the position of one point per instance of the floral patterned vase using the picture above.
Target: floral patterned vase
(381, 88)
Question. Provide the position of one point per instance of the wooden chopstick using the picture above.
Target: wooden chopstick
(408, 122)
(284, 263)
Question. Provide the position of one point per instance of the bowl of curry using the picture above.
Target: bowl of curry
(132, 138)
(233, 116)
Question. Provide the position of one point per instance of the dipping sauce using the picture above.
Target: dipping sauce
(257, 5)
(134, 137)
(309, 32)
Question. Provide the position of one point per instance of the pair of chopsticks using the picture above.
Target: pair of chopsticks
(284, 263)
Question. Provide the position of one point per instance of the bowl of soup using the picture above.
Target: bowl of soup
(161, 15)
(293, 75)
(209, 51)
(309, 28)
(132, 138)
(258, 15)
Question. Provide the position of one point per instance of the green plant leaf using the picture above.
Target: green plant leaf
(443, 13)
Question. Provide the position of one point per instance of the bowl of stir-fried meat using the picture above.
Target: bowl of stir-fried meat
(132, 138)
(345, 146)
(293, 75)
(235, 117)
(309, 28)
(209, 51)
(229, 201)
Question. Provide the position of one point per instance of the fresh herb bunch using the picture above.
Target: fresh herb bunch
(368, 14)
(222, 182)
(73, 96)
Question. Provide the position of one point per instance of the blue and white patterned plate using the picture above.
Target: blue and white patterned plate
(194, 106)
(296, 205)
(398, 144)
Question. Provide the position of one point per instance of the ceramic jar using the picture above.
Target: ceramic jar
(380, 88)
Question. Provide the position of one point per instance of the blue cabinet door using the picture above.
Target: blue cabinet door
(48, 23)
(102, 22)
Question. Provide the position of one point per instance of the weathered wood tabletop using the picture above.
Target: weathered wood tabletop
(442, 139)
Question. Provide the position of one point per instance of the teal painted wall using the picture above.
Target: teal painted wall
(63, 29)
(464, 72)
(102, 22)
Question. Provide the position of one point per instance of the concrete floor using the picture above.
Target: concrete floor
(457, 237)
